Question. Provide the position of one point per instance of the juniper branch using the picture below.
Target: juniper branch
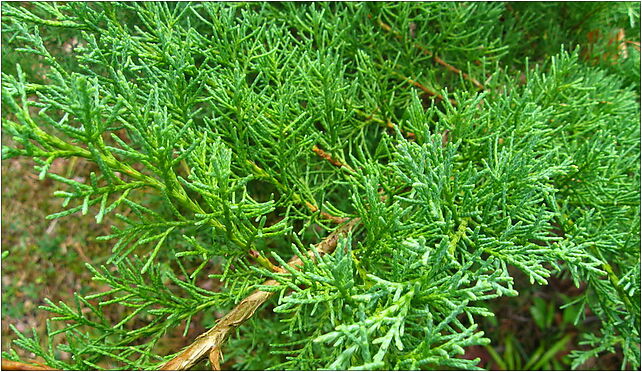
(211, 342)
(206, 103)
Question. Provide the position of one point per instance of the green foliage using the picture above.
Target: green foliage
(205, 121)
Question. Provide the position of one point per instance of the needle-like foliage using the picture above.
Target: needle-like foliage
(230, 137)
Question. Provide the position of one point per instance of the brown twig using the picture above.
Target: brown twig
(337, 163)
(451, 67)
(635, 44)
(424, 88)
(10, 365)
(387, 123)
(330, 159)
(211, 342)
(313, 208)
(427, 52)
(261, 260)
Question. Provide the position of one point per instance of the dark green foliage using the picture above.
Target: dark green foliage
(203, 117)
